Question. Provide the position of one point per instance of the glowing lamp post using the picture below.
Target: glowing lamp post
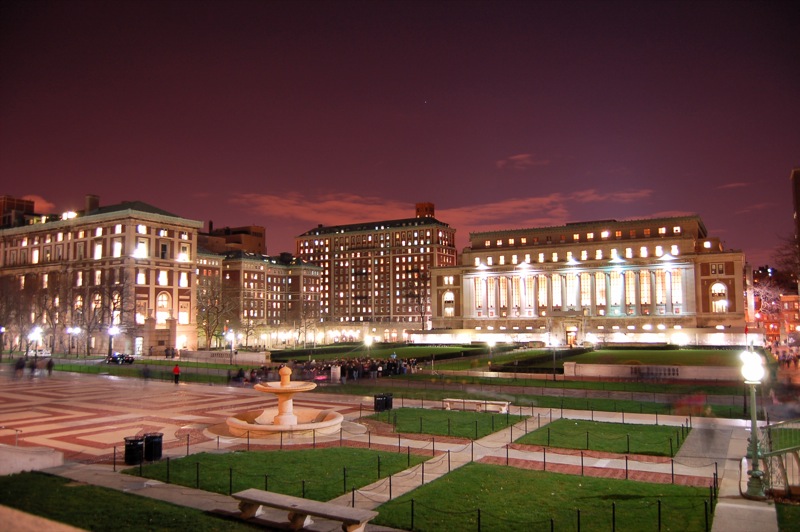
(112, 332)
(231, 337)
(35, 338)
(368, 343)
(753, 372)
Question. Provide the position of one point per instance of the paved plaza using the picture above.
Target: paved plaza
(88, 417)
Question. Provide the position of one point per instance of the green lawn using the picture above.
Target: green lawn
(498, 498)
(665, 357)
(94, 508)
(455, 423)
(320, 474)
(657, 440)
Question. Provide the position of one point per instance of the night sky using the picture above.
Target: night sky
(504, 114)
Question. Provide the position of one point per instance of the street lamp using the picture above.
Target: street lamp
(368, 343)
(2, 342)
(112, 332)
(231, 337)
(35, 336)
(753, 372)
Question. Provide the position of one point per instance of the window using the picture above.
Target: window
(586, 289)
(141, 229)
(643, 252)
(98, 231)
(630, 288)
(478, 293)
(117, 247)
(676, 230)
(604, 235)
(677, 287)
(118, 229)
(556, 280)
(98, 251)
(600, 288)
(162, 278)
(589, 236)
(647, 232)
(615, 282)
(662, 231)
(644, 287)
(163, 307)
(140, 276)
(719, 298)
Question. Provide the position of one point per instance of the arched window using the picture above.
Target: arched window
(449, 304)
(719, 298)
(163, 307)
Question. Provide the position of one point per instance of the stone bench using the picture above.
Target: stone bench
(479, 405)
(252, 501)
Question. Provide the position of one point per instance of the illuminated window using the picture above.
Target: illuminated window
(491, 291)
(598, 254)
(45, 280)
(677, 287)
(589, 236)
(98, 231)
(659, 251)
(542, 296)
(141, 229)
(719, 298)
(162, 278)
(707, 244)
(98, 251)
(478, 293)
(555, 257)
(576, 237)
(556, 280)
(662, 231)
(541, 257)
(117, 247)
(98, 277)
(676, 230)
(661, 286)
(140, 276)
(630, 288)
(674, 250)
(584, 255)
(118, 229)
(644, 287)
(628, 253)
(163, 307)
(586, 289)
(643, 252)
(647, 232)
(183, 280)
(600, 288)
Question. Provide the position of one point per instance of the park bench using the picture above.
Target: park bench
(479, 405)
(252, 501)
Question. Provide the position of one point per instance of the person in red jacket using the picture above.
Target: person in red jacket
(176, 372)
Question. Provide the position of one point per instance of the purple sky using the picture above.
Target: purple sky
(504, 114)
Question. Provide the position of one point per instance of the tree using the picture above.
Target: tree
(767, 294)
(216, 306)
(787, 257)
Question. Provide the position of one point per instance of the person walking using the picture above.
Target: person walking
(176, 372)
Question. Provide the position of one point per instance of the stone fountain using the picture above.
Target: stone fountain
(284, 418)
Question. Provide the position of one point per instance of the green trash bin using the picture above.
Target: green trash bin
(134, 450)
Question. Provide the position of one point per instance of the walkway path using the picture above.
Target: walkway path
(87, 417)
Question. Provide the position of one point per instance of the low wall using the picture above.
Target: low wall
(637, 371)
(17, 459)
(241, 358)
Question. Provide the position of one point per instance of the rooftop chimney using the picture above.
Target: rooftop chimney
(92, 203)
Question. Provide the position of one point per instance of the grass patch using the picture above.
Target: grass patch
(319, 474)
(788, 516)
(515, 499)
(623, 438)
(681, 357)
(460, 424)
(95, 508)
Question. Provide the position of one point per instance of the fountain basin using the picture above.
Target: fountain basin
(309, 421)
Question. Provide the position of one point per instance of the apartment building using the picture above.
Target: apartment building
(650, 280)
(376, 275)
(121, 275)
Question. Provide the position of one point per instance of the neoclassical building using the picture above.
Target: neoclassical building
(660, 280)
(119, 274)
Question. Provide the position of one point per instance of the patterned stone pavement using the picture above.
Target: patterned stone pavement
(87, 418)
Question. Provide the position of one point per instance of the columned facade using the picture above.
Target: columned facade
(658, 280)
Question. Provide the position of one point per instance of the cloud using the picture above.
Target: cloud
(733, 185)
(553, 209)
(41, 205)
(521, 161)
(753, 207)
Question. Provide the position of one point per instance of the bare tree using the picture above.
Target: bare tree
(787, 257)
(767, 294)
(216, 307)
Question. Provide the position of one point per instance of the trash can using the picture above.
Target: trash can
(134, 448)
(388, 401)
(152, 446)
(380, 403)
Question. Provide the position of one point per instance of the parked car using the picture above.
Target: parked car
(119, 358)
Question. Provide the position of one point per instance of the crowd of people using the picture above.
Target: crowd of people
(787, 356)
(351, 369)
